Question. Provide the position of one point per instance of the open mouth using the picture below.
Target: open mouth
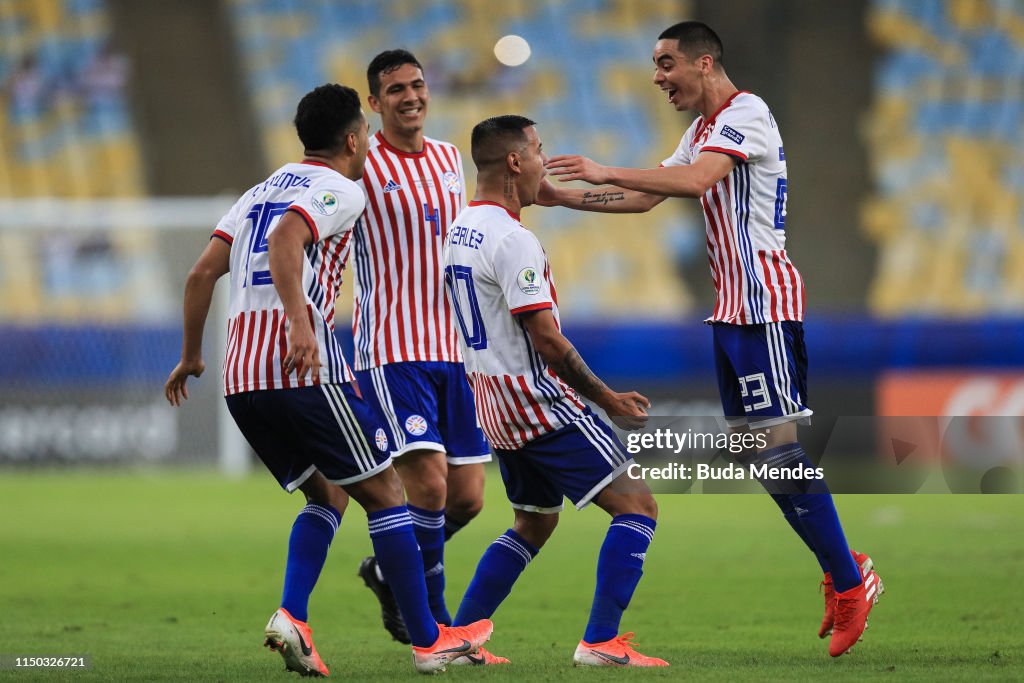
(671, 94)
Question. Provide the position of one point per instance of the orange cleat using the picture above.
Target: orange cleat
(852, 609)
(452, 642)
(866, 565)
(294, 640)
(481, 658)
(615, 652)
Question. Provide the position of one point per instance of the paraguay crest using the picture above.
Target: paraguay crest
(451, 182)
(381, 439)
(416, 425)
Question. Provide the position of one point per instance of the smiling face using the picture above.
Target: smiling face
(679, 76)
(403, 101)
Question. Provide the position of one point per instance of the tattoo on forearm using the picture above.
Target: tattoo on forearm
(509, 191)
(602, 197)
(576, 374)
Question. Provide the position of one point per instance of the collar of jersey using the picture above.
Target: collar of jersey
(515, 216)
(718, 111)
(391, 148)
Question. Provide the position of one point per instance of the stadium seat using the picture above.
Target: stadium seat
(946, 181)
(454, 39)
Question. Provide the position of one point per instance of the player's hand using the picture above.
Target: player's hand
(303, 351)
(174, 388)
(575, 167)
(627, 410)
(548, 194)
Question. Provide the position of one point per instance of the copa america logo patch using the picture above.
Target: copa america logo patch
(381, 439)
(732, 134)
(452, 182)
(326, 203)
(416, 425)
(527, 280)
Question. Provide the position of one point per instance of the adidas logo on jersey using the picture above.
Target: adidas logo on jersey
(391, 186)
(640, 556)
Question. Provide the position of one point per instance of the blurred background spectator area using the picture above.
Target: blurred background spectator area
(127, 127)
(66, 134)
(945, 139)
(586, 84)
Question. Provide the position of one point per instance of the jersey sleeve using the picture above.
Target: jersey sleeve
(330, 207)
(227, 226)
(519, 265)
(681, 157)
(741, 130)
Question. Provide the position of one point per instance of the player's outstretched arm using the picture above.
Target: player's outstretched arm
(286, 248)
(692, 180)
(628, 410)
(601, 199)
(212, 264)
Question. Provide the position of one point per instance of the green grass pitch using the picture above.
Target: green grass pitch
(171, 576)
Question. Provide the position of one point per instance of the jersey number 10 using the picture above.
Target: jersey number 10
(459, 282)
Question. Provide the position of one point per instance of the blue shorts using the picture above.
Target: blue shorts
(428, 405)
(762, 373)
(325, 428)
(576, 461)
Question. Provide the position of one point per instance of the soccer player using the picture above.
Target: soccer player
(525, 377)
(407, 356)
(731, 158)
(285, 243)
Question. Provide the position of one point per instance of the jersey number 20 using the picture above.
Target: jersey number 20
(459, 282)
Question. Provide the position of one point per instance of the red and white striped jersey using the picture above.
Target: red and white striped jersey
(330, 204)
(495, 269)
(401, 313)
(745, 213)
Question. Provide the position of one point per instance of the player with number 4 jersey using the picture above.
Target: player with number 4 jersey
(407, 354)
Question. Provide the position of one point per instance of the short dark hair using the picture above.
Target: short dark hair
(495, 137)
(386, 62)
(326, 115)
(695, 40)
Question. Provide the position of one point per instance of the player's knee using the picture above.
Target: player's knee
(319, 491)
(331, 496)
(463, 507)
(425, 477)
(648, 506)
(535, 528)
(379, 492)
(629, 504)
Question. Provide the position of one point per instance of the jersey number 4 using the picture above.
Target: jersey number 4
(459, 282)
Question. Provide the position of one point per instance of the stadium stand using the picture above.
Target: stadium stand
(64, 116)
(66, 133)
(581, 85)
(945, 139)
